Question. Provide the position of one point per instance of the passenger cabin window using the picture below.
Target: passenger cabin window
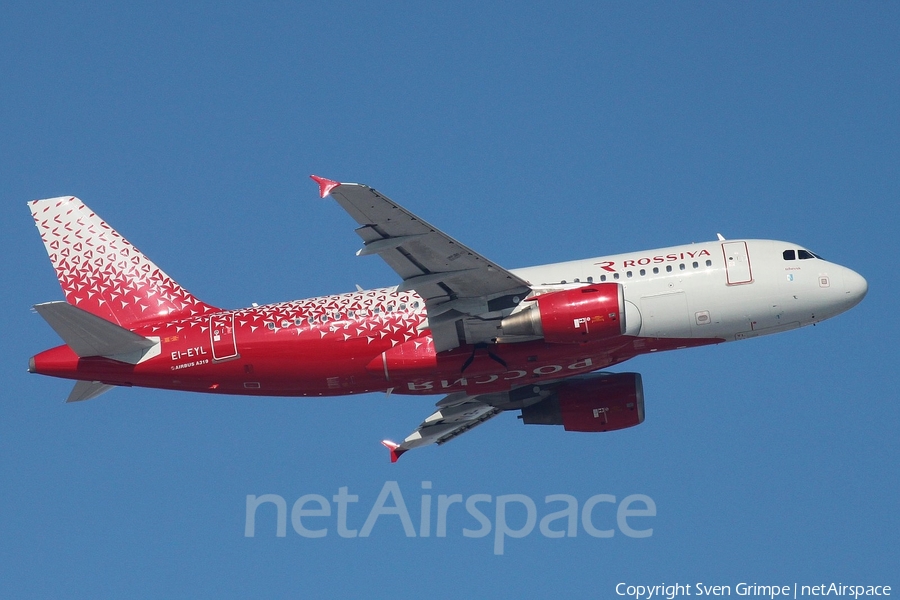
(788, 255)
(603, 278)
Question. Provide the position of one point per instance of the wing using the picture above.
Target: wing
(465, 293)
(460, 412)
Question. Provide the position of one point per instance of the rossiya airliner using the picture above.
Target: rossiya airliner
(535, 340)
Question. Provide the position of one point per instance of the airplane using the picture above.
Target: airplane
(537, 340)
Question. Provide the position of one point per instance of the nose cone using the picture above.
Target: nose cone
(855, 287)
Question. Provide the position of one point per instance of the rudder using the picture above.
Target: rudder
(101, 272)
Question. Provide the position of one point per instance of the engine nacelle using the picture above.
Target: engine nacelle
(599, 402)
(585, 314)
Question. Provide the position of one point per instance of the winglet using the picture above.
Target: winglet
(395, 449)
(325, 185)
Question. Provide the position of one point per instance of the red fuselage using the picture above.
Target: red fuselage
(336, 345)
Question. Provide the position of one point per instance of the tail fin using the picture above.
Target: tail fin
(102, 273)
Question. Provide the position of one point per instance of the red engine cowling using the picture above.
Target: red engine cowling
(585, 314)
(600, 402)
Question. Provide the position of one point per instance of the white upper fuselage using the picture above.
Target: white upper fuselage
(728, 289)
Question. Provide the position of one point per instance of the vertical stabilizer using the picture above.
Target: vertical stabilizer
(102, 273)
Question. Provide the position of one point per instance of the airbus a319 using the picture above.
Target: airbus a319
(488, 339)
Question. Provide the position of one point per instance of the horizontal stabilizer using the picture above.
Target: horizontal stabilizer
(89, 335)
(86, 390)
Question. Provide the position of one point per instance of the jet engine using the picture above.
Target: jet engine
(585, 314)
(597, 402)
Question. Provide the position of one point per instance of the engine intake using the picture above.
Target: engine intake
(585, 314)
(599, 402)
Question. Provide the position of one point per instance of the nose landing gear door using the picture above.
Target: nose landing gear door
(221, 333)
(737, 263)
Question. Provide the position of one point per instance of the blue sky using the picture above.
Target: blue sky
(534, 134)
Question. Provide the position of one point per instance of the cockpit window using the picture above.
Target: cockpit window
(789, 255)
(805, 254)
